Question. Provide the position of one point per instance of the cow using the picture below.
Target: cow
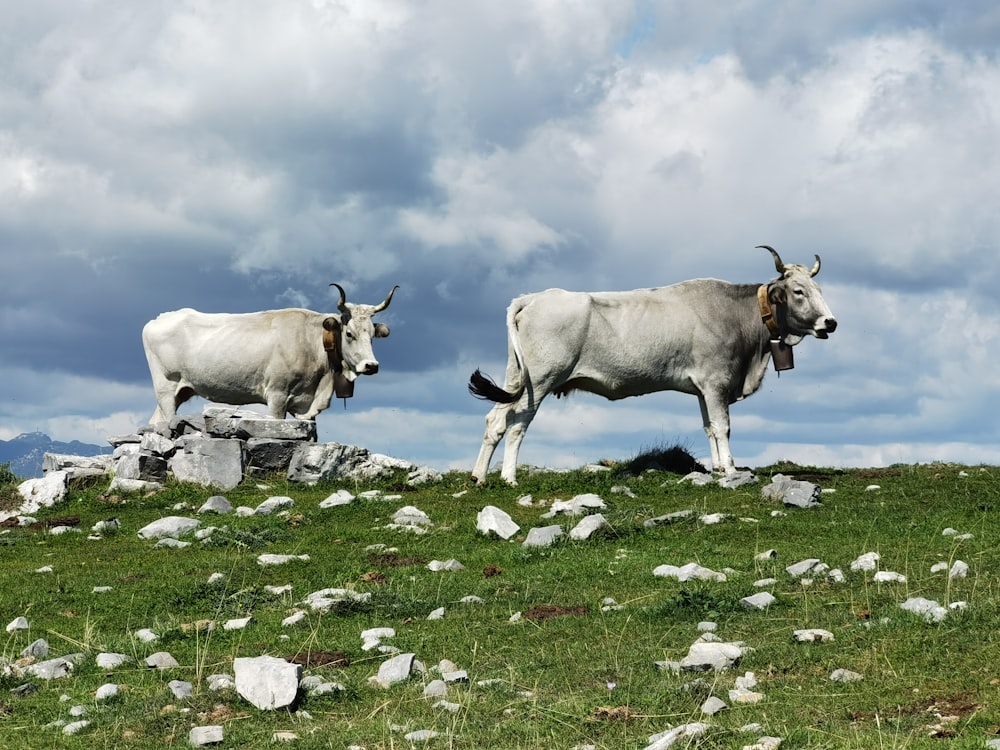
(706, 337)
(293, 360)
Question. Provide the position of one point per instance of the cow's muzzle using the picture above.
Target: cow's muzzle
(829, 325)
(368, 368)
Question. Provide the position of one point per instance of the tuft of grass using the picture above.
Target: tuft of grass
(675, 459)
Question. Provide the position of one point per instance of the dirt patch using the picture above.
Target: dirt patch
(542, 612)
(60, 521)
(491, 570)
(374, 576)
(396, 561)
(321, 659)
(615, 713)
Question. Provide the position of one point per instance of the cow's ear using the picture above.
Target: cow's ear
(331, 324)
(381, 330)
(777, 295)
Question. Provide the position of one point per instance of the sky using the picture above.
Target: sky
(241, 155)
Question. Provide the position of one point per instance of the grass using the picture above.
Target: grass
(587, 677)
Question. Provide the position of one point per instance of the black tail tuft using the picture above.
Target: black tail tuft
(484, 387)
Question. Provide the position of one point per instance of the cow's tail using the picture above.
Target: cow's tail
(483, 386)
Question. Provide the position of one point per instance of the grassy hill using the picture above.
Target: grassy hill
(573, 669)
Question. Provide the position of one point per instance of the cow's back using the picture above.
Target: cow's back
(219, 353)
(627, 343)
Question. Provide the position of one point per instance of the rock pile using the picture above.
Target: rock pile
(218, 449)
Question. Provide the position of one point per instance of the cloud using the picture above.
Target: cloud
(242, 156)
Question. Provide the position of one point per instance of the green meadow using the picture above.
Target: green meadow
(571, 671)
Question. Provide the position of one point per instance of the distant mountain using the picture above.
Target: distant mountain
(24, 453)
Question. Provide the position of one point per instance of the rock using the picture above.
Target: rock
(210, 462)
(37, 649)
(669, 738)
(237, 623)
(435, 689)
(717, 656)
(170, 526)
(340, 497)
(493, 520)
(409, 518)
(845, 675)
(396, 669)
(690, 572)
(273, 504)
(18, 623)
(713, 705)
(792, 492)
(959, 569)
(803, 567)
(437, 614)
(587, 527)
(272, 559)
(276, 430)
(181, 689)
(697, 478)
(216, 504)
(39, 493)
(867, 561)
(325, 599)
(736, 480)
(266, 681)
(146, 635)
(105, 692)
(220, 682)
(575, 507)
(211, 734)
(52, 669)
(888, 576)
(75, 726)
(423, 475)
(447, 566)
(761, 600)
(542, 536)
(812, 635)
(161, 660)
(312, 462)
(930, 610)
(743, 696)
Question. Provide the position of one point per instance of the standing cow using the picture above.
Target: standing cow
(292, 360)
(705, 337)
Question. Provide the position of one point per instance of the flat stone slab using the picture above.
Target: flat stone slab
(493, 520)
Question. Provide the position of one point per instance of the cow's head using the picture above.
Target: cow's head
(353, 331)
(798, 301)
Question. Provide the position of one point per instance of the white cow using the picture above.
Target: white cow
(292, 360)
(705, 337)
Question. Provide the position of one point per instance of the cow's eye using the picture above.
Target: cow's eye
(349, 335)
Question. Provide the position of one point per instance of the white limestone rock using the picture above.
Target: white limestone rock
(267, 682)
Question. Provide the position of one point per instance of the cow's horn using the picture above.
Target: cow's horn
(386, 301)
(777, 258)
(815, 269)
(342, 305)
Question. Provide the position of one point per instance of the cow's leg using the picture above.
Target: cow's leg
(715, 417)
(517, 424)
(277, 405)
(496, 426)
